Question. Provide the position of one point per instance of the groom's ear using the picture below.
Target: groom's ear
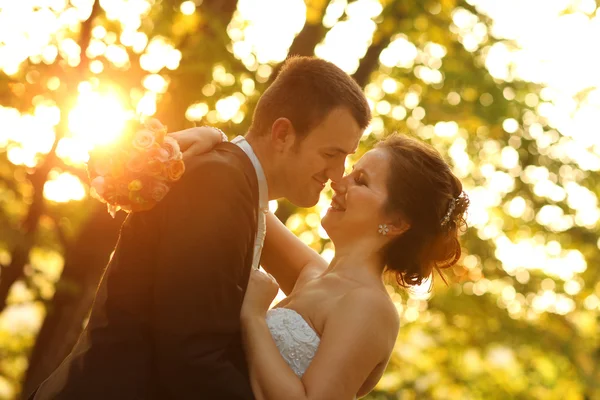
(283, 134)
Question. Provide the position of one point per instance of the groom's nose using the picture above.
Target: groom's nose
(335, 173)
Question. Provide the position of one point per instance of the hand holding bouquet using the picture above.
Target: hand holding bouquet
(136, 172)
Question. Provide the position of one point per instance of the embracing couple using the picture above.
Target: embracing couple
(182, 311)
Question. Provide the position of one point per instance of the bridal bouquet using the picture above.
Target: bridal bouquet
(137, 171)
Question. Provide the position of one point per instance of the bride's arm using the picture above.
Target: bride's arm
(197, 140)
(285, 256)
(358, 339)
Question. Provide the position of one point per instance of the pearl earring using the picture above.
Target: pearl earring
(384, 229)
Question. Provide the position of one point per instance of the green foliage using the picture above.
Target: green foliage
(505, 327)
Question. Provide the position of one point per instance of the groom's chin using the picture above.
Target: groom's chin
(305, 200)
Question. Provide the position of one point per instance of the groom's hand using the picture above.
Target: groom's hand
(198, 140)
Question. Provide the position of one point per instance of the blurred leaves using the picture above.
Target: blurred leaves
(520, 316)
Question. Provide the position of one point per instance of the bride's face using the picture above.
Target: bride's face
(358, 206)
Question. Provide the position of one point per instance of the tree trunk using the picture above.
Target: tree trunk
(20, 254)
(203, 48)
(304, 44)
(382, 39)
(370, 62)
(309, 37)
(224, 9)
(85, 260)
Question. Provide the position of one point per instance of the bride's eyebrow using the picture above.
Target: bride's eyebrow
(361, 171)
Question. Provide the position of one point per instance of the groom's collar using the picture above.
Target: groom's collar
(263, 189)
(263, 198)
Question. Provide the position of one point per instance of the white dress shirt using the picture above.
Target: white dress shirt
(263, 199)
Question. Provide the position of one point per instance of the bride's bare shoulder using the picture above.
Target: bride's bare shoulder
(309, 273)
(372, 304)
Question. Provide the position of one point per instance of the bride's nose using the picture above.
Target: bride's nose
(339, 187)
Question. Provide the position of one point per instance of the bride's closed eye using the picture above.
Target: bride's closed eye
(359, 180)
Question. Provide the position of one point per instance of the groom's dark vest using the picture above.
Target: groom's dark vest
(165, 321)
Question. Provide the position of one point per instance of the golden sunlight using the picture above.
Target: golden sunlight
(98, 118)
(63, 187)
(347, 41)
(257, 37)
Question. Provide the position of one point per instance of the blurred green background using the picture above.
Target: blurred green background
(508, 91)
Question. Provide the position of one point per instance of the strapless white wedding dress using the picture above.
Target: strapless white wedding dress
(296, 340)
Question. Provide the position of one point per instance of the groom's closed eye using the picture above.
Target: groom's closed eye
(335, 151)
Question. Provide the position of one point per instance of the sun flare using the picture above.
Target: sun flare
(98, 118)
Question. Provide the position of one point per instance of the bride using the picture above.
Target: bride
(399, 211)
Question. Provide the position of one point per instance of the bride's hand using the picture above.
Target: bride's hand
(262, 289)
(199, 140)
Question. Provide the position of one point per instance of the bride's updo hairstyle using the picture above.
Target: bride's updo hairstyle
(425, 192)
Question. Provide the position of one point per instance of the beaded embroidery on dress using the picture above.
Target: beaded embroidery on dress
(296, 340)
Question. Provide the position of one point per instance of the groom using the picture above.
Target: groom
(165, 321)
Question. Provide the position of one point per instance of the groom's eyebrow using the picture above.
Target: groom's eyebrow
(340, 150)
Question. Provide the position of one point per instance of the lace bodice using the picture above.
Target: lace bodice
(296, 340)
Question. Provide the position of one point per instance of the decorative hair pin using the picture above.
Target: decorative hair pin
(451, 207)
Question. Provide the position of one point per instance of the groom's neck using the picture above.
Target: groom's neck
(263, 153)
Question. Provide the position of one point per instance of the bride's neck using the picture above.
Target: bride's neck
(357, 263)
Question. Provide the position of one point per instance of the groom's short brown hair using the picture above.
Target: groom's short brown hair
(305, 91)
